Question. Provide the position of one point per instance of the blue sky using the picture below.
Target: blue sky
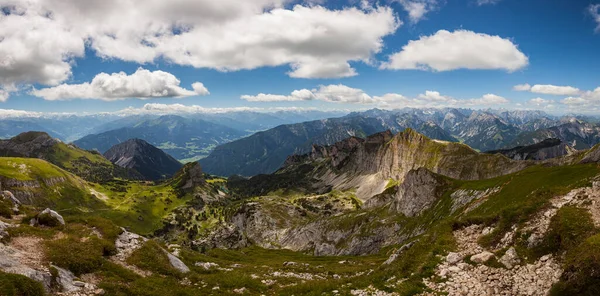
(558, 38)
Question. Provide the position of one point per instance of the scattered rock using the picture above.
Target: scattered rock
(66, 281)
(510, 258)
(206, 265)
(453, 258)
(482, 257)
(240, 290)
(395, 255)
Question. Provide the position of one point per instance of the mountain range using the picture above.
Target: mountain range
(370, 214)
(266, 151)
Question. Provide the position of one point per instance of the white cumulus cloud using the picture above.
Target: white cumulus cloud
(3, 95)
(142, 84)
(417, 9)
(461, 49)
(41, 39)
(297, 95)
(162, 109)
(549, 89)
(522, 87)
(339, 93)
(335, 93)
(586, 99)
(539, 102)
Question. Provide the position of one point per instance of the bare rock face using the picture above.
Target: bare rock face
(419, 191)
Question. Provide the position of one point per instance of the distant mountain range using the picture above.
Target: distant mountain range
(266, 151)
(250, 143)
(69, 128)
(577, 133)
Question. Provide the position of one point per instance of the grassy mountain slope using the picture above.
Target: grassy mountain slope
(86, 164)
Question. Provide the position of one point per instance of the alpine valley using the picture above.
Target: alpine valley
(404, 202)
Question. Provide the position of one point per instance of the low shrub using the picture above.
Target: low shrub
(18, 285)
(582, 270)
(76, 255)
(568, 228)
(6, 208)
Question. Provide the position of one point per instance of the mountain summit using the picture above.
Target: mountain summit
(139, 155)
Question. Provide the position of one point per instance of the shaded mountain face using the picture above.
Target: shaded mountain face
(183, 138)
(151, 162)
(86, 164)
(265, 152)
(546, 149)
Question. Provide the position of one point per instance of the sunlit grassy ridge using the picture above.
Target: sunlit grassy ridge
(26, 169)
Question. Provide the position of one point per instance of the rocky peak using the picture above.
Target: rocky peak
(139, 155)
(28, 144)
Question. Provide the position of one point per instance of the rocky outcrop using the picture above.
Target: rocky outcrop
(419, 191)
(128, 242)
(283, 226)
(27, 191)
(477, 278)
(189, 177)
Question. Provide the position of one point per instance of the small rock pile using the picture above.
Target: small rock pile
(466, 279)
(475, 278)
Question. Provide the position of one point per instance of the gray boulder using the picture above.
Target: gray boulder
(510, 258)
(177, 263)
(65, 279)
(48, 217)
